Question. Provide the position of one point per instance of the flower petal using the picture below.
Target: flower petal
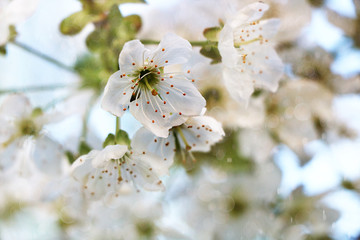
(108, 153)
(117, 94)
(171, 50)
(202, 132)
(146, 141)
(182, 95)
(131, 57)
(48, 156)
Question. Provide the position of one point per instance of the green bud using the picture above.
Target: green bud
(212, 34)
(75, 23)
(110, 140)
(37, 112)
(84, 148)
(122, 138)
(211, 51)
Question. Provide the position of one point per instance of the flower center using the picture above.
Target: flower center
(149, 78)
(27, 127)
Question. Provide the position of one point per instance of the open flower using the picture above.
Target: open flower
(248, 58)
(24, 148)
(196, 134)
(157, 99)
(103, 172)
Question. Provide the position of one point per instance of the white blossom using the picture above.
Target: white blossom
(103, 172)
(249, 60)
(196, 134)
(156, 98)
(24, 148)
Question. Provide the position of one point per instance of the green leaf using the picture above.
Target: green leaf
(70, 156)
(110, 140)
(122, 138)
(211, 51)
(75, 22)
(2, 50)
(84, 148)
(134, 21)
(212, 33)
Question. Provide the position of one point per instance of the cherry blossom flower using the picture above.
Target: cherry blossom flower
(157, 99)
(103, 172)
(13, 12)
(249, 60)
(24, 148)
(196, 134)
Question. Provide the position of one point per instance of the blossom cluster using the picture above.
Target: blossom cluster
(217, 97)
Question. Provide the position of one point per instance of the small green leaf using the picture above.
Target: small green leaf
(211, 51)
(122, 138)
(134, 21)
(2, 50)
(212, 33)
(110, 140)
(37, 112)
(75, 23)
(84, 148)
(70, 156)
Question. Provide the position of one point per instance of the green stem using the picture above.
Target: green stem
(32, 89)
(187, 145)
(117, 127)
(193, 43)
(42, 56)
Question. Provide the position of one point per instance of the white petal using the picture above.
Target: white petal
(83, 166)
(240, 86)
(172, 50)
(117, 94)
(10, 154)
(19, 10)
(146, 141)
(202, 132)
(108, 153)
(154, 114)
(250, 13)
(15, 106)
(132, 57)
(141, 174)
(182, 96)
(227, 50)
(48, 156)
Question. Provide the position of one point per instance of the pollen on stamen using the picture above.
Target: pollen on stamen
(153, 121)
(184, 94)
(163, 49)
(167, 92)
(143, 152)
(171, 85)
(171, 76)
(158, 72)
(166, 61)
(164, 102)
(188, 71)
(180, 113)
(137, 104)
(145, 67)
(124, 109)
(198, 136)
(155, 65)
(162, 79)
(260, 10)
(155, 140)
(163, 116)
(152, 61)
(147, 102)
(133, 64)
(193, 80)
(124, 93)
(156, 110)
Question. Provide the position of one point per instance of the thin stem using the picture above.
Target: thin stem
(193, 43)
(117, 126)
(32, 89)
(187, 145)
(42, 56)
